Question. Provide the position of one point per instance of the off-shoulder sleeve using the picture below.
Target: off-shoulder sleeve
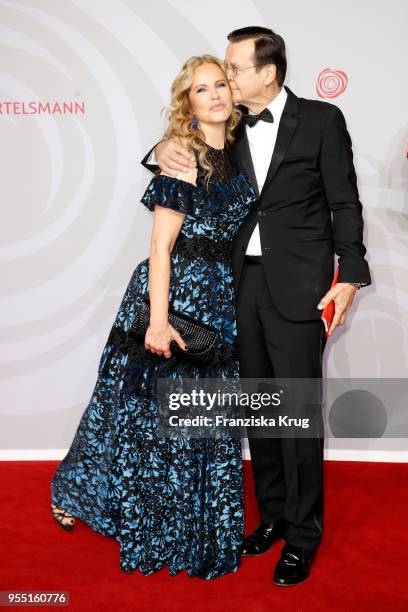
(169, 192)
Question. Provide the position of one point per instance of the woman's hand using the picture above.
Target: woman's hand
(158, 338)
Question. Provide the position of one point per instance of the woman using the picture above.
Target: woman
(169, 502)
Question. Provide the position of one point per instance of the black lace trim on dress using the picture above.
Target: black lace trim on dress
(223, 162)
(201, 246)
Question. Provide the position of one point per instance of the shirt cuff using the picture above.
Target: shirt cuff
(152, 161)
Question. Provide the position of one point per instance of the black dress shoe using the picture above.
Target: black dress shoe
(293, 566)
(262, 538)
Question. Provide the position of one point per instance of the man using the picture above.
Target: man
(298, 155)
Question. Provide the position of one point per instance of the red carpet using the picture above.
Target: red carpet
(362, 563)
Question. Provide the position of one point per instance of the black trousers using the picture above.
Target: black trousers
(288, 472)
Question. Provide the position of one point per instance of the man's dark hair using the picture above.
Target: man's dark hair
(269, 48)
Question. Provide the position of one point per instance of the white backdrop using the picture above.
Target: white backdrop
(73, 228)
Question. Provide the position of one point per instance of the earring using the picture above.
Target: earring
(195, 124)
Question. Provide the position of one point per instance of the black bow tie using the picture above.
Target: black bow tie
(252, 120)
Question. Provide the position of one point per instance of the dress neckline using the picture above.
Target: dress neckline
(214, 149)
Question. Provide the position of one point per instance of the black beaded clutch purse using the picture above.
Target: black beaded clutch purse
(199, 337)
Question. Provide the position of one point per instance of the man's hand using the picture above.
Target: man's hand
(343, 295)
(173, 157)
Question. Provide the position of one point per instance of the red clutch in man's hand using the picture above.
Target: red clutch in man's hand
(328, 311)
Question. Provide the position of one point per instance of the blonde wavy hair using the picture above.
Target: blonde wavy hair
(180, 116)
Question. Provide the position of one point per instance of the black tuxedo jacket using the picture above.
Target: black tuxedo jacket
(308, 210)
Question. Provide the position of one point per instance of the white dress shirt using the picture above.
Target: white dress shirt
(262, 139)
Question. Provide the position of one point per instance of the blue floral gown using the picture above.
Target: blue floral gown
(175, 503)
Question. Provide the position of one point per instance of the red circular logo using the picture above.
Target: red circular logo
(331, 83)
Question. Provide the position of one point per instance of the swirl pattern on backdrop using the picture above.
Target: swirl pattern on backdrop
(331, 83)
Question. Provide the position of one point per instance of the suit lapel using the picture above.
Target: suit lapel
(287, 128)
(243, 156)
